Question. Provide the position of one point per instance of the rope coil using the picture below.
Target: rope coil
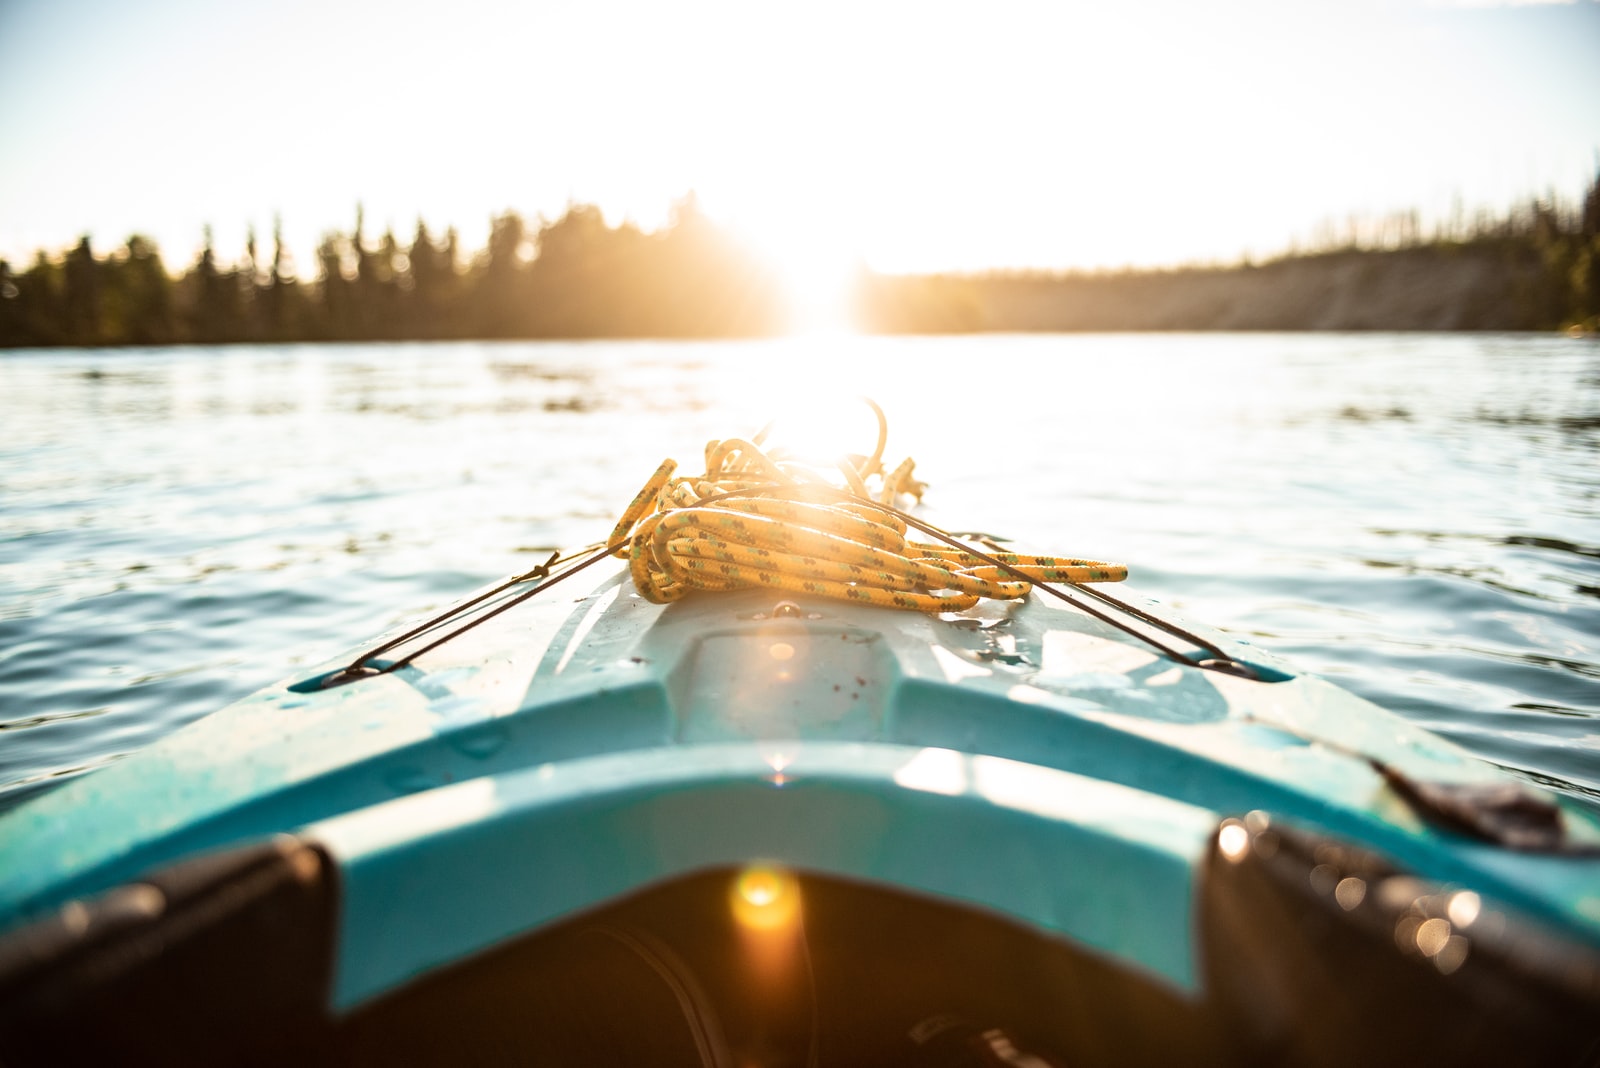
(763, 520)
(759, 519)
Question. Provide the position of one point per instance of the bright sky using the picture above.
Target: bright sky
(913, 135)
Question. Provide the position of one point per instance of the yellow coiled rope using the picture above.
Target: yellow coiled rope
(764, 521)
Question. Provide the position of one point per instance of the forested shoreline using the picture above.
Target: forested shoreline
(1537, 267)
(576, 276)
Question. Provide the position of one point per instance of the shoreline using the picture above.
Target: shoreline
(1429, 288)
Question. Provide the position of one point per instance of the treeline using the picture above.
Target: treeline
(571, 277)
(1535, 267)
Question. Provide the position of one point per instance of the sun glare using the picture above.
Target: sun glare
(819, 289)
(816, 269)
(820, 418)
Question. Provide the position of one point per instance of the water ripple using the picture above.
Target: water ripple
(1415, 517)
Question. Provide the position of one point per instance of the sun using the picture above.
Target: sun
(816, 268)
(820, 286)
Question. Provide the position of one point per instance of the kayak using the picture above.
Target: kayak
(637, 816)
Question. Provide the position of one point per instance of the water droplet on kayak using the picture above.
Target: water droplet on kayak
(1453, 955)
(1432, 935)
(480, 743)
(1324, 878)
(1233, 840)
(1464, 908)
(1350, 892)
(412, 780)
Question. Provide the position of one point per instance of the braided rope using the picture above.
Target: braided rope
(759, 520)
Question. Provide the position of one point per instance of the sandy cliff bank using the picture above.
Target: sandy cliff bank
(1429, 288)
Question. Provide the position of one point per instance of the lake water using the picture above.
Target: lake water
(1414, 517)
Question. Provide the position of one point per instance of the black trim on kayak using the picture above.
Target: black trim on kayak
(1312, 952)
(221, 960)
(1505, 813)
(1324, 953)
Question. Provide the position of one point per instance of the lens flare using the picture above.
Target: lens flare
(765, 898)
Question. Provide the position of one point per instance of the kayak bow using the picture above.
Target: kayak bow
(790, 825)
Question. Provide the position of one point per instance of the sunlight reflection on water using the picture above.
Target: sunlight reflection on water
(1416, 517)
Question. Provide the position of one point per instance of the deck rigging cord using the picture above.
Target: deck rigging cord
(756, 519)
(764, 519)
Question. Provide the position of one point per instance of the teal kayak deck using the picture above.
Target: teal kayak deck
(1022, 757)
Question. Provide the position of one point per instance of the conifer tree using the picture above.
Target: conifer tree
(81, 297)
